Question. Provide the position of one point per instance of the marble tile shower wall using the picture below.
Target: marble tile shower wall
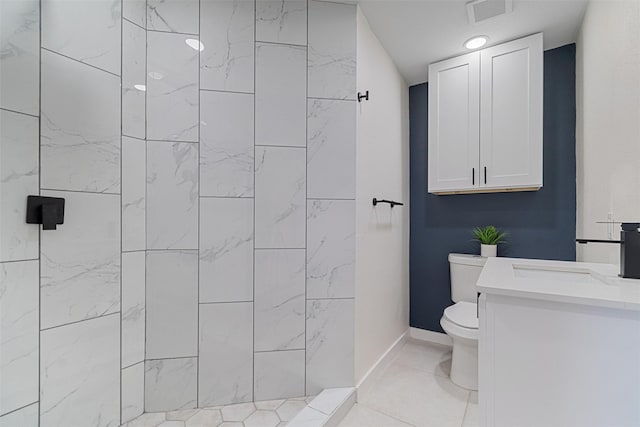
(206, 152)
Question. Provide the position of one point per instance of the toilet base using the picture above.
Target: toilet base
(464, 363)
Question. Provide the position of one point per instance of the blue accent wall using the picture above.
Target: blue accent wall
(541, 224)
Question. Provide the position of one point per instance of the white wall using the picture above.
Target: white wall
(608, 123)
(382, 234)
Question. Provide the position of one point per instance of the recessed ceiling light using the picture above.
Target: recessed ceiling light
(195, 44)
(140, 87)
(476, 42)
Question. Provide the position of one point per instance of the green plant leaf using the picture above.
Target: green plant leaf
(489, 235)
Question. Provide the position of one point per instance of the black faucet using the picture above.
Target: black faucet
(629, 249)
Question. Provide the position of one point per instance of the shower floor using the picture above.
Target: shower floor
(269, 413)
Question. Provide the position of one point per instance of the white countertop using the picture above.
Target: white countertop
(562, 281)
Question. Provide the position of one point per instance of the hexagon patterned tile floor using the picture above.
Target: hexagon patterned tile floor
(270, 413)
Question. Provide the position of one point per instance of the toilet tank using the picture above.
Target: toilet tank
(465, 270)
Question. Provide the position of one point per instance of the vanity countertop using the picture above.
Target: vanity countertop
(561, 281)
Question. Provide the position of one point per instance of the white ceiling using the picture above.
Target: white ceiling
(419, 32)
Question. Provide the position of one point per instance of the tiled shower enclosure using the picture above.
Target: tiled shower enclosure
(206, 152)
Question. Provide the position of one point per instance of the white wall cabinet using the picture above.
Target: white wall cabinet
(485, 120)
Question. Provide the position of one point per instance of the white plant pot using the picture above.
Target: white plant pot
(488, 250)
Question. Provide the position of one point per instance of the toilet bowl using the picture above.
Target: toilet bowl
(461, 324)
(460, 320)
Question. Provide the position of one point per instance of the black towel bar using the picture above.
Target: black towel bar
(391, 202)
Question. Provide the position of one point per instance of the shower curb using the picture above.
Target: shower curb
(327, 409)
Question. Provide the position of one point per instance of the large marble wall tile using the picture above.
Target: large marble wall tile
(80, 128)
(80, 381)
(171, 384)
(281, 21)
(25, 417)
(226, 354)
(330, 347)
(226, 144)
(134, 45)
(331, 248)
(172, 195)
(19, 331)
(332, 50)
(132, 392)
(19, 155)
(88, 31)
(172, 88)
(227, 32)
(172, 304)
(134, 184)
(226, 249)
(331, 146)
(19, 56)
(176, 16)
(135, 11)
(280, 197)
(80, 261)
(133, 307)
(281, 87)
(280, 302)
(279, 375)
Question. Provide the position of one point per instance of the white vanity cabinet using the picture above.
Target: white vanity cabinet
(559, 345)
(485, 120)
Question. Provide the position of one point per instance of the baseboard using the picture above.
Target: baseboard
(383, 361)
(430, 336)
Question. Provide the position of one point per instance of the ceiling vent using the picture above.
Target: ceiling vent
(481, 10)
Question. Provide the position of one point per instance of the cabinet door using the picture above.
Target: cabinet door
(511, 114)
(454, 88)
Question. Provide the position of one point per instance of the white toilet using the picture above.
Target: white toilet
(460, 321)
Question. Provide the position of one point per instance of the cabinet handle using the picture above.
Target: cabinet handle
(473, 176)
(485, 174)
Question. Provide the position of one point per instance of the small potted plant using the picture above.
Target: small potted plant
(489, 237)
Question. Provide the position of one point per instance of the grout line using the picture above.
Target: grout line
(20, 408)
(199, 215)
(133, 364)
(173, 142)
(279, 351)
(226, 197)
(80, 321)
(279, 43)
(39, 193)
(146, 204)
(19, 260)
(134, 137)
(172, 250)
(20, 112)
(133, 251)
(253, 329)
(80, 191)
(131, 22)
(279, 249)
(121, 191)
(224, 302)
(170, 358)
(227, 91)
(77, 60)
(280, 146)
(172, 32)
(306, 195)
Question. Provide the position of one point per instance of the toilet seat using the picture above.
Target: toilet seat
(460, 320)
(464, 314)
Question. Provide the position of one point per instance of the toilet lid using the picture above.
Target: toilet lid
(463, 314)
